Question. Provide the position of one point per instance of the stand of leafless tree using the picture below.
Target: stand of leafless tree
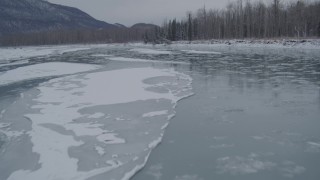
(248, 19)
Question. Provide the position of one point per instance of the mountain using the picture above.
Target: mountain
(143, 26)
(24, 16)
(120, 25)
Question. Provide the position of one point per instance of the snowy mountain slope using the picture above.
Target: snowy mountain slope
(23, 16)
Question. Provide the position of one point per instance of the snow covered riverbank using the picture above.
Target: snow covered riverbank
(249, 43)
(272, 43)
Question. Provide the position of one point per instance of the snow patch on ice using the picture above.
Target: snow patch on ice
(110, 138)
(73, 50)
(120, 119)
(32, 51)
(5, 129)
(67, 173)
(144, 60)
(96, 115)
(150, 51)
(43, 70)
(100, 150)
(201, 52)
(136, 169)
(155, 143)
(155, 113)
(12, 134)
(188, 177)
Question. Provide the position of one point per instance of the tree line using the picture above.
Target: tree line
(75, 36)
(247, 19)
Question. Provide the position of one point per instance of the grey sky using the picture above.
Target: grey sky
(129, 12)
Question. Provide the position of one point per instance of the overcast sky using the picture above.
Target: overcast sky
(129, 12)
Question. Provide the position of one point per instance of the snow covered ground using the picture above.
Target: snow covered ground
(43, 70)
(264, 43)
(150, 51)
(14, 53)
(245, 43)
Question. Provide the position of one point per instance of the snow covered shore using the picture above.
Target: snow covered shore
(34, 51)
(245, 43)
(263, 43)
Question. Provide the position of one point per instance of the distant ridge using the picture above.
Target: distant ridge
(120, 25)
(144, 26)
(28, 16)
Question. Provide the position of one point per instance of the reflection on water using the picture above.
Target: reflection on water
(255, 115)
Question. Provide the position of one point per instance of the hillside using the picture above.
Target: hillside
(24, 16)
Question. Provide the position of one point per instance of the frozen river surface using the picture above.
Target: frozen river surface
(99, 112)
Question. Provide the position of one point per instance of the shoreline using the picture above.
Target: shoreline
(256, 43)
(305, 43)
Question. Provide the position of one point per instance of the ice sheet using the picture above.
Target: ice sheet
(144, 60)
(61, 107)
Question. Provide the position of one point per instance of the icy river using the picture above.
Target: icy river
(176, 112)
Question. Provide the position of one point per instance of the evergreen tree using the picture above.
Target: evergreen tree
(318, 29)
(189, 27)
(169, 33)
(174, 30)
